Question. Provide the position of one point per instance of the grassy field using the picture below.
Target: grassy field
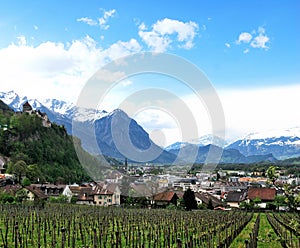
(266, 236)
(239, 241)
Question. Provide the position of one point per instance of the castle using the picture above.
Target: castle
(28, 109)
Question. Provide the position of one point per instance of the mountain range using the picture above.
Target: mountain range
(282, 144)
(97, 124)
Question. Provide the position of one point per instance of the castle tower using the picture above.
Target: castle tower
(27, 107)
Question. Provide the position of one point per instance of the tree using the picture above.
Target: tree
(256, 202)
(189, 200)
(6, 198)
(34, 173)
(291, 200)
(18, 169)
(271, 173)
(279, 201)
(25, 182)
(60, 199)
(246, 205)
(21, 195)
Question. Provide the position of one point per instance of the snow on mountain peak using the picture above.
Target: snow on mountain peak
(58, 106)
(9, 97)
(208, 140)
(292, 132)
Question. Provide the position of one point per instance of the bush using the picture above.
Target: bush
(6, 198)
(59, 199)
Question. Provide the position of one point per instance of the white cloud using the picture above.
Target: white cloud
(122, 48)
(246, 51)
(88, 21)
(244, 38)
(22, 40)
(258, 39)
(101, 22)
(161, 127)
(35, 27)
(159, 37)
(126, 82)
(246, 111)
(254, 110)
(227, 45)
(56, 70)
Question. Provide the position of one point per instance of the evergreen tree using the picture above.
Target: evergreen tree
(189, 200)
(210, 204)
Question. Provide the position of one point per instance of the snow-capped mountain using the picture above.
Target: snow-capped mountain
(93, 122)
(281, 143)
(202, 141)
(58, 106)
(208, 140)
(176, 145)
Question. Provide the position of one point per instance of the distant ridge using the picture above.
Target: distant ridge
(256, 147)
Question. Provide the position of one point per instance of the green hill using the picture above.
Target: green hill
(42, 153)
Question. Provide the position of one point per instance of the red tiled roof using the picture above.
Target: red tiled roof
(266, 194)
(164, 196)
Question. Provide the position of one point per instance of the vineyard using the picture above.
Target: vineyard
(85, 226)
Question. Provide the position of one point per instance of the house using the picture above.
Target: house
(164, 199)
(71, 191)
(50, 189)
(234, 186)
(186, 183)
(234, 198)
(264, 194)
(205, 197)
(11, 189)
(106, 194)
(85, 196)
(101, 194)
(33, 193)
(113, 177)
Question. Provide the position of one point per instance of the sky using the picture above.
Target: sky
(249, 51)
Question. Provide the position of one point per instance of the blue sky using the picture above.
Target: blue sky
(246, 48)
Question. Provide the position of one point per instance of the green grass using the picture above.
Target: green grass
(266, 236)
(239, 241)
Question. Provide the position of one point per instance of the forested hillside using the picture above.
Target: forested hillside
(41, 153)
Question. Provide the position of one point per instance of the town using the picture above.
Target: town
(151, 187)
